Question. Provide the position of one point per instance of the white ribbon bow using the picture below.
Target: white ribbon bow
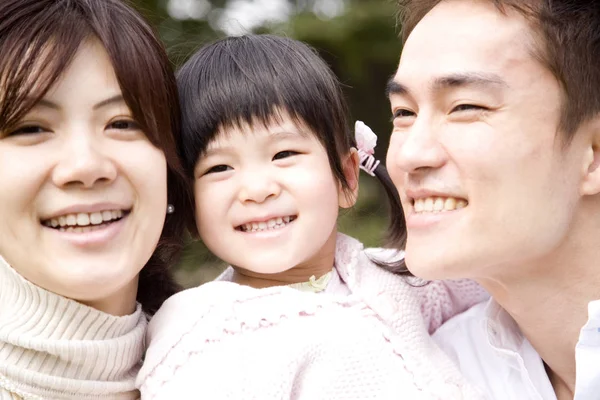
(366, 140)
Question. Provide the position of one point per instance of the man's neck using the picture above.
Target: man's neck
(548, 299)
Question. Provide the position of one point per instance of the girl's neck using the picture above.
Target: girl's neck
(317, 266)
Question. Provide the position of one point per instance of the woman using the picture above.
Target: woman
(88, 125)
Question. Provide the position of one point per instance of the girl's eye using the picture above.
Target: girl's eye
(403, 113)
(284, 154)
(28, 130)
(124, 125)
(217, 169)
(467, 107)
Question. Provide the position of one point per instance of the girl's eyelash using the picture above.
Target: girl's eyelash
(285, 154)
(217, 169)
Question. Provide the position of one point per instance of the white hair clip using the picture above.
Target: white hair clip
(366, 140)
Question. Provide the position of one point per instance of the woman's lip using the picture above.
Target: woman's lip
(96, 238)
(86, 209)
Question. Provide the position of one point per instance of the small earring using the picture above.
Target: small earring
(170, 209)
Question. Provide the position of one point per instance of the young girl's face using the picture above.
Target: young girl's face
(266, 198)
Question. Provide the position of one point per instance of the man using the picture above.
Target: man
(496, 154)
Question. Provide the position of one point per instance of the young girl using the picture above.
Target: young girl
(303, 312)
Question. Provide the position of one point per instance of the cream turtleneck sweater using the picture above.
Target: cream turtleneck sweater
(55, 348)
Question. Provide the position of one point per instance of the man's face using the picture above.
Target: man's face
(485, 180)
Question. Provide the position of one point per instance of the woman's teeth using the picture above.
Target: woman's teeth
(83, 222)
(438, 204)
(274, 223)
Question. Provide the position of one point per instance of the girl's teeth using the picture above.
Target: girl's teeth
(271, 224)
(438, 204)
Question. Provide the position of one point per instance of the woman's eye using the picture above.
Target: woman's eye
(284, 154)
(217, 169)
(124, 125)
(467, 107)
(403, 113)
(27, 130)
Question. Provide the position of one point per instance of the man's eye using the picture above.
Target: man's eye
(284, 154)
(217, 169)
(403, 113)
(468, 107)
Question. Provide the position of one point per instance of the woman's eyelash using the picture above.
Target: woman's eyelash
(125, 124)
(27, 130)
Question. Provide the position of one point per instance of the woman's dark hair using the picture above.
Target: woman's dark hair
(38, 41)
(251, 79)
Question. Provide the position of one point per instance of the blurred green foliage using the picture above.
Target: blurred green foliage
(362, 47)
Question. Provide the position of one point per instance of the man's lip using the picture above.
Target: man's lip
(414, 194)
(86, 208)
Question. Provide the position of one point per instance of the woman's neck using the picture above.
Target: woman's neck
(119, 303)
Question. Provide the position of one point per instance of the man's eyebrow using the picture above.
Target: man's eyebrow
(394, 87)
(451, 81)
(468, 79)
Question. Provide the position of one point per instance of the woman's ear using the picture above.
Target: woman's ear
(347, 196)
(590, 184)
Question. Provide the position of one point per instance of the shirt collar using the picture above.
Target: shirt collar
(501, 329)
(503, 332)
(590, 333)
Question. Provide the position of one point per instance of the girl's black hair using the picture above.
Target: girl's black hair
(247, 79)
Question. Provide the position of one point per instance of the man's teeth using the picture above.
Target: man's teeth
(274, 223)
(438, 204)
(64, 222)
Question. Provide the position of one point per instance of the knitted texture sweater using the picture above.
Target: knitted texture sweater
(227, 341)
(55, 348)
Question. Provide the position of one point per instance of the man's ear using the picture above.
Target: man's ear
(590, 184)
(347, 196)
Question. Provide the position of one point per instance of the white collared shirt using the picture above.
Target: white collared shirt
(492, 353)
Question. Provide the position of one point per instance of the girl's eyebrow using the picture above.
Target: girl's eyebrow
(286, 134)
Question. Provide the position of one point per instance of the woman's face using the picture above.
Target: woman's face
(84, 193)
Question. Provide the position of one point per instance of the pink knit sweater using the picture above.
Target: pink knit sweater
(226, 341)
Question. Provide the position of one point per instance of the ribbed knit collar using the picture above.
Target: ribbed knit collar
(57, 348)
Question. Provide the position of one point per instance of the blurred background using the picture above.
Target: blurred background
(357, 38)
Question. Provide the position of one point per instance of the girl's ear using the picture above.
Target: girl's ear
(347, 197)
(590, 184)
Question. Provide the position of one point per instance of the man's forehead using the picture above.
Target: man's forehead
(454, 39)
